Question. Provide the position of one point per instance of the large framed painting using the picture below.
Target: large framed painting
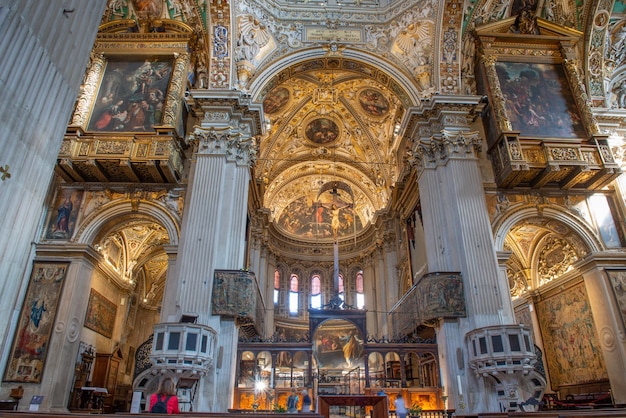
(32, 338)
(131, 95)
(101, 314)
(538, 100)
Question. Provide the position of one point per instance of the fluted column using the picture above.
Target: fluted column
(371, 297)
(456, 223)
(44, 54)
(214, 223)
(213, 233)
(458, 237)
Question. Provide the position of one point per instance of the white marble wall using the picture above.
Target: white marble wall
(44, 53)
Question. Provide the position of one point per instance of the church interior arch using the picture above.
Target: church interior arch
(301, 145)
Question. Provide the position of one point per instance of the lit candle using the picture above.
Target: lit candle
(458, 380)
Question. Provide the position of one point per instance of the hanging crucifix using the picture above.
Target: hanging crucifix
(335, 206)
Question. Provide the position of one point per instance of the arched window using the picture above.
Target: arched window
(293, 294)
(340, 290)
(316, 292)
(360, 295)
(276, 286)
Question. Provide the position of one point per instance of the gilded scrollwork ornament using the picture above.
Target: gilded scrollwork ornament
(498, 101)
(581, 97)
(176, 90)
(88, 90)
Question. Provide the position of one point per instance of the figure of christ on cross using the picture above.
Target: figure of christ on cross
(335, 207)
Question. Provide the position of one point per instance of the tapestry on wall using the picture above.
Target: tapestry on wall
(618, 283)
(32, 338)
(101, 314)
(572, 348)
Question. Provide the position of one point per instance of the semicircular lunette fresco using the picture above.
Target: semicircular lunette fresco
(307, 217)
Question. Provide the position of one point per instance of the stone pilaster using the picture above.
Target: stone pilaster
(56, 384)
(213, 233)
(604, 276)
(458, 237)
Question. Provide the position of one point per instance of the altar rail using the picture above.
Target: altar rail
(596, 413)
(449, 413)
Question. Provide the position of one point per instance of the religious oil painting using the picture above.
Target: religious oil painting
(618, 283)
(373, 102)
(276, 100)
(322, 131)
(32, 338)
(131, 96)
(62, 220)
(539, 101)
(101, 314)
(338, 343)
(572, 347)
(321, 218)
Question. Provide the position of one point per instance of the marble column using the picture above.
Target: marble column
(458, 237)
(44, 54)
(213, 234)
(604, 276)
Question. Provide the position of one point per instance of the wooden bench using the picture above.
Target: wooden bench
(584, 401)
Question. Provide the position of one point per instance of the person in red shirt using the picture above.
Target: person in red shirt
(166, 390)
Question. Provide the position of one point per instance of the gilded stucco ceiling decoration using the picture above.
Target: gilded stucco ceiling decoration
(135, 257)
(334, 131)
(518, 283)
(548, 244)
(555, 258)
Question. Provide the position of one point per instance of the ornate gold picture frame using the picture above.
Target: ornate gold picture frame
(127, 90)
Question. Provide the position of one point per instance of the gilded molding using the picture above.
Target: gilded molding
(176, 90)
(502, 118)
(580, 95)
(88, 90)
